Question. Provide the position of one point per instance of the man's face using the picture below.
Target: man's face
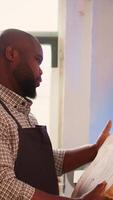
(28, 73)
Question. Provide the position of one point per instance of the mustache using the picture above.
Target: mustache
(39, 79)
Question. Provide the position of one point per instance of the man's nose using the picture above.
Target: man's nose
(41, 72)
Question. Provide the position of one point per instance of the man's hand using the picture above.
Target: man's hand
(104, 135)
(97, 193)
(77, 157)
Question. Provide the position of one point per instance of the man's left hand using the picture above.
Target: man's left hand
(104, 135)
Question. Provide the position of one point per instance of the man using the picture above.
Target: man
(28, 165)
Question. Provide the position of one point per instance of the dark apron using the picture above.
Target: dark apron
(35, 162)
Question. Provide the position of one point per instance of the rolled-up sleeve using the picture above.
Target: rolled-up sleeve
(59, 159)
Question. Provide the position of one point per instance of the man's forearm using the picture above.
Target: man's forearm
(76, 158)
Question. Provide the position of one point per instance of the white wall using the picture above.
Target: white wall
(102, 66)
(29, 15)
(75, 37)
(86, 34)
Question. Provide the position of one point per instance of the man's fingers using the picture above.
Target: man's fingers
(97, 193)
(100, 187)
(108, 126)
(104, 135)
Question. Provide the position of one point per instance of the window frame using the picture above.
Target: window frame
(52, 40)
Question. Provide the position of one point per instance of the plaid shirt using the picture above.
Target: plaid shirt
(10, 187)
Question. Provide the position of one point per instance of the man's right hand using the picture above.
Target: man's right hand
(97, 193)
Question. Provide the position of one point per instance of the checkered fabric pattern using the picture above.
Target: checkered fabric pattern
(10, 187)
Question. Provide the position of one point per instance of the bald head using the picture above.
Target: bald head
(20, 58)
(15, 38)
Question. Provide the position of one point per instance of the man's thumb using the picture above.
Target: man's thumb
(100, 188)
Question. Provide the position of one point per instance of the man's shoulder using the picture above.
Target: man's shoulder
(6, 121)
(33, 119)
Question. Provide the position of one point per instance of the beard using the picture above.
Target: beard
(25, 80)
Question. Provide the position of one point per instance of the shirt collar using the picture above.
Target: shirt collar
(15, 100)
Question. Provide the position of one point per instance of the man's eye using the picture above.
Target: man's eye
(39, 60)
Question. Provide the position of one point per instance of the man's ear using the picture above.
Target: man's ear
(11, 53)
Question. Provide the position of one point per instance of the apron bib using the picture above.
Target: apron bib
(35, 162)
